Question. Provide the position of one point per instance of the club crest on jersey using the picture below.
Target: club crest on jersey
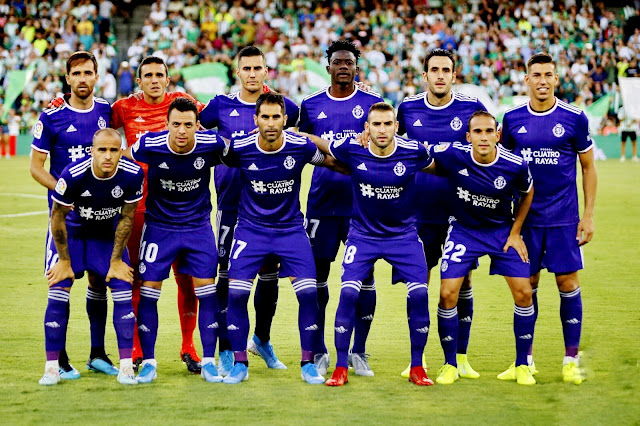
(500, 182)
(399, 169)
(37, 130)
(456, 124)
(102, 123)
(117, 192)
(61, 186)
(142, 268)
(444, 266)
(558, 130)
(199, 163)
(441, 146)
(357, 112)
(289, 162)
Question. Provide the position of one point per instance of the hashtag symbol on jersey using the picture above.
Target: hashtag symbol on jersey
(328, 135)
(464, 194)
(258, 186)
(367, 190)
(76, 152)
(167, 184)
(526, 154)
(86, 212)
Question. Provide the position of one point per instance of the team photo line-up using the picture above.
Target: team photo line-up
(457, 186)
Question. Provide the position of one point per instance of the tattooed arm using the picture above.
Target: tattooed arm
(62, 268)
(118, 268)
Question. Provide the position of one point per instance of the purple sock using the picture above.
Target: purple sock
(571, 317)
(237, 314)
(524, 322)
(207, 324)
(97, 312)
(365, 309)
(148, 321)
(222, 291)
(305, 290)
(55, 322)
(448, 330)
(124, 321)
(419, 322)
(345, 318)
(465, 316)
(534, 297)
(323, 300)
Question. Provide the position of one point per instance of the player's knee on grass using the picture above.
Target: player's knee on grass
(521, 290)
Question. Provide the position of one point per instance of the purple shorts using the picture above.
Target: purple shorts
(253, 246)
(195, 250)
(87, 254)
(326, 233)
(554, 248)
(464, 247)
(405, 254)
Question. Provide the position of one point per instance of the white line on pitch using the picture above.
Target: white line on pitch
(24, 214)
(12, 194)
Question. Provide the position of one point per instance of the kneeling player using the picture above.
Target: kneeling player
(89, 194)
(382, 227)
(486, 178)
(178, 227)
(270, 226)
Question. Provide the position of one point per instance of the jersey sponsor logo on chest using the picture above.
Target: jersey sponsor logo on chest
(77, 152)
(540, 156)
(477, 200)
(387, 192)
(184, 186)
(272, 188)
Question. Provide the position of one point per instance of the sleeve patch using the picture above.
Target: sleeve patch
(37, 129)
(441, 147)
(61, 186)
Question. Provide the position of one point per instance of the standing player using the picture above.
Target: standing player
(98, 198)
(270, 225)
(178, 226)
(138, 115)
(233, 116)
(550, 134)
(335, 113)
(486, 177)
(439, 115)
(63, 134)
(382, 227)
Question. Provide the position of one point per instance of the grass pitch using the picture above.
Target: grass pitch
(610, 340)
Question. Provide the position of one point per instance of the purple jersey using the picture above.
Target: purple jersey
(234, 118)
(382, 204)
(179, 195)
(333, 119)
(96, 201)
(484, 192)
(270, 195)
(66, 133)
(433, 195)
(549, 142)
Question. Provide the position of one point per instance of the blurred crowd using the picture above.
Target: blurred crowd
(492, 39)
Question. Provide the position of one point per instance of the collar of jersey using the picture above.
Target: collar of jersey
(488, 164)
(532, 112)
(195, 143)
(426, 102)
(342, 99)
(284, 142)
(395, 147)
(107, 178)
(81, 111)
(243, 102)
